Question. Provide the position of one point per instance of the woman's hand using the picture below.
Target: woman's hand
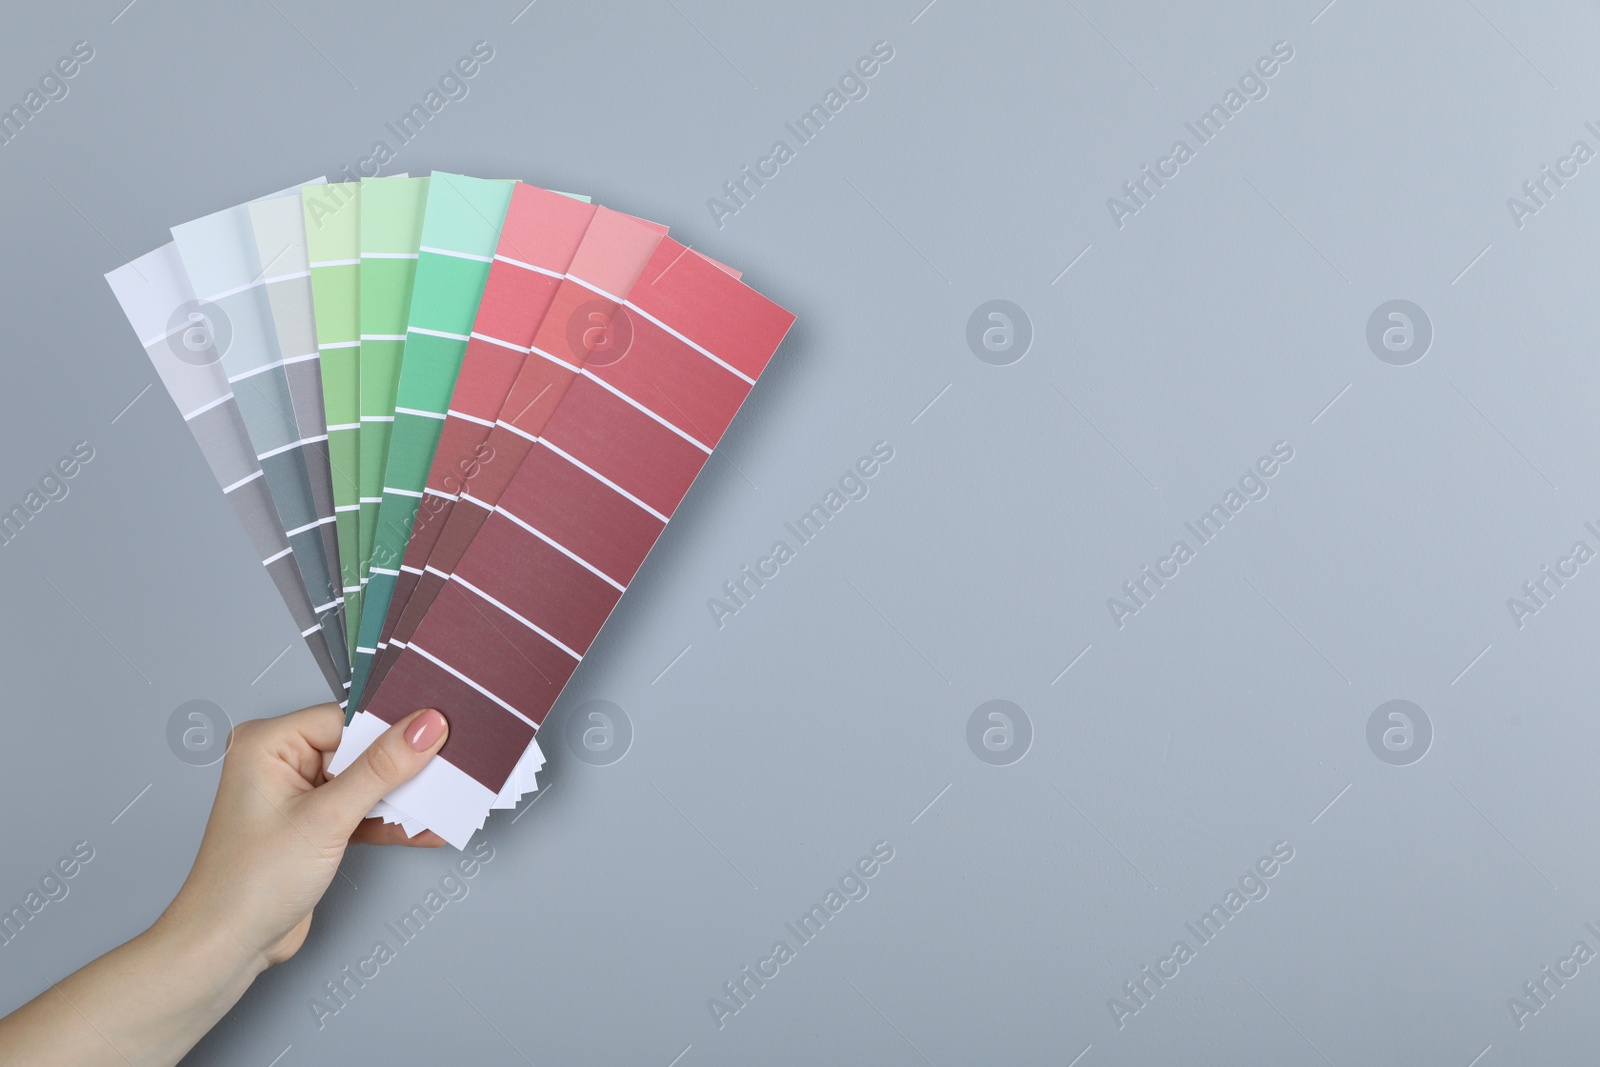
(280, 826)
(278, 829)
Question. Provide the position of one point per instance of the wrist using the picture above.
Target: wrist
(208, 951)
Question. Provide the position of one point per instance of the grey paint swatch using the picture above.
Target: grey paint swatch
(180, 340)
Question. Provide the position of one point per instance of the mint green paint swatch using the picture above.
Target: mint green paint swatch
(460, 230)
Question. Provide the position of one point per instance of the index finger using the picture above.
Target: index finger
(321, 725)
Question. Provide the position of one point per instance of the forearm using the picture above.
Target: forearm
(145, 1003)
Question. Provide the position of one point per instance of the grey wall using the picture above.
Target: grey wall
(1163, 758)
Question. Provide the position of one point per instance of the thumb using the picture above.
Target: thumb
(396, 757)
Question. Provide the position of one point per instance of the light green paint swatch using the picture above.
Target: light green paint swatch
(333, 244)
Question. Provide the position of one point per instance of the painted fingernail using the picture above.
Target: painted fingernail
(428, 728)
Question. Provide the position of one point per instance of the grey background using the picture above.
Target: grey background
(827, 714)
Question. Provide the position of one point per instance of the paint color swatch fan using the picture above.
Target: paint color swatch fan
(453, 415)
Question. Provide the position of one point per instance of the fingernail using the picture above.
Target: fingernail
(428, 728)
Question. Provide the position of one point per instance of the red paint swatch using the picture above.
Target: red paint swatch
(541, 234)
(565, 534)
(614, 250)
